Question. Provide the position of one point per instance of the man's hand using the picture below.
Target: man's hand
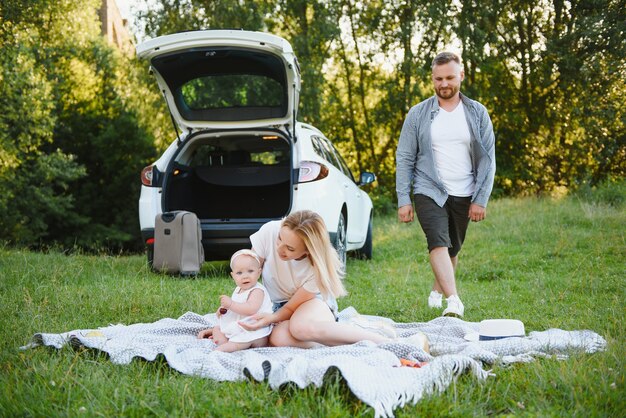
(477, 213)
(405, 213)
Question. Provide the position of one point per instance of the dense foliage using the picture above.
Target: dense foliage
(550, 72)
(74, 129)
(78, 119)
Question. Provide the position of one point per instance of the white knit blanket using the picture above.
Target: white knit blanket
(372, 372)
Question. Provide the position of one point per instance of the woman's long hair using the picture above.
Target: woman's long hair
(310, 227)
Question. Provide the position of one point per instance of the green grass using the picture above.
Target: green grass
(551, 264)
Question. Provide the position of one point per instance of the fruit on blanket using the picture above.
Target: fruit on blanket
(223, 310)
(410, 363)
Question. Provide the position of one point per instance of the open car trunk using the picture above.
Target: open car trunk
(232, 177)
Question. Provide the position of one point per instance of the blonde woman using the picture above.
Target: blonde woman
(302, 274)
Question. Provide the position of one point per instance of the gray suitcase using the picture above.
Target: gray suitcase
(178, 243)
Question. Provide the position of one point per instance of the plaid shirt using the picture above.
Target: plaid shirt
(415, 162)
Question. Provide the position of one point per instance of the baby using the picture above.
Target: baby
(249, 298)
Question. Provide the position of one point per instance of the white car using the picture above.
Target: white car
(242, 159)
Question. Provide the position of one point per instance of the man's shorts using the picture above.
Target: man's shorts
(444, 226)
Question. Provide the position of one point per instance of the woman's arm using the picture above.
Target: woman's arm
(262, 320)
(247, 308)
(302, 295)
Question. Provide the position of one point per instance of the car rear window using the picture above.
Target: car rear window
(225, 84)
(232, 90)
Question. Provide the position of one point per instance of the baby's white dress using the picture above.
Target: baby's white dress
(228, 322)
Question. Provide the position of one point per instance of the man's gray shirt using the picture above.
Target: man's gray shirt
(415, 161)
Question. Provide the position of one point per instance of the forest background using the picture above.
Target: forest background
(79, 119)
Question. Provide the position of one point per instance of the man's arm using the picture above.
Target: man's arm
(486, 168)
(406, 157)
(477, 213)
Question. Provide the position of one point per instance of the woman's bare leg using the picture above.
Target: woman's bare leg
(313, 322)
(261, 342)
(281, 337)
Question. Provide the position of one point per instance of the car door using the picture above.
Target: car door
(226, 79)
(353, 196)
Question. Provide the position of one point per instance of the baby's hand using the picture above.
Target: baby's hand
(225, 301)
(205, 333)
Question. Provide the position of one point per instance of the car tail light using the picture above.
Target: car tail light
(312, 171)
(147, 176)
(151, 176)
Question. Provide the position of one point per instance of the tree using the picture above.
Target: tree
(376, 73)
(550, 72)
(171, 16)
(76, 138)
(35, 184)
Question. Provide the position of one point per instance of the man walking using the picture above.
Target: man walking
(446, 153)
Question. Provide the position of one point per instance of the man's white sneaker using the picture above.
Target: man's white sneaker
(455, 307)
(434, 299)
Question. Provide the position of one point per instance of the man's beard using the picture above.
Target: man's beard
(448, 92)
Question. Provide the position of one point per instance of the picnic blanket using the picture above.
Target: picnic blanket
(372, 372)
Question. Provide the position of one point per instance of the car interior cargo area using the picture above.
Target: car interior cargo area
(231, 177)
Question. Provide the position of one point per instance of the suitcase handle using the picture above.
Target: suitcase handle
(168, 216)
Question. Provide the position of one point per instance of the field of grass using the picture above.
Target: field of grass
(549, 263)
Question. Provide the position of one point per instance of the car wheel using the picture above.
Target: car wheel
(150, 255)
(365, 251)
(341, 239)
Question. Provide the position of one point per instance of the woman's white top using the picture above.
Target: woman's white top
(228, 322)
(451, 142)
(281, 278)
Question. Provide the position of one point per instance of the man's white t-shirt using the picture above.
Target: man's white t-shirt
(451, 142)
(281, 278)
